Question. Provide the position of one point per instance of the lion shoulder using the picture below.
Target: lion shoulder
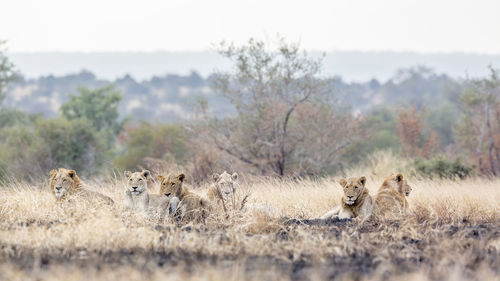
(363, 207)
(158, 201)
(94, 195)
(390, 199)
(192, 206)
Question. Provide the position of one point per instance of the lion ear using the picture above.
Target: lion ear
(72, 174)
(234, 176)
(342, 182)
(146, 173)
(399, 177)
(160, 178)
(181, 177)
(362, 180)
(127, 174)
(215, 176)
(53, 173)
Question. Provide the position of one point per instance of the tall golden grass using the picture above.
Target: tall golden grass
(453, 234)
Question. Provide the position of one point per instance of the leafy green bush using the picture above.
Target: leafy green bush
(443, 168)
(12, 117)
(75, 144)
(82, 139)
(160, 141)
(28, 150)
(380, 135)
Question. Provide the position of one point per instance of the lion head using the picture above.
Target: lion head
(397, 182)
(137, 182)
(353, 188)
(406, 189)
(63, 182)
(171, 185)
(226, 184)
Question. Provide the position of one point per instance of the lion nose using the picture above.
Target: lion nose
(58, 187)
(134, 187)
(350, 197)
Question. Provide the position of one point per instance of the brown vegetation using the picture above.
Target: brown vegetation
(453, 234)
(287, 120)
(479, 130)
(410, 130)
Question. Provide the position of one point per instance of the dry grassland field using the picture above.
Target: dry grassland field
(453, 234)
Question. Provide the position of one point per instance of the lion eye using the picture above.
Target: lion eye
(129, 179)
(172, 184)
(140, 179)
(356, 187)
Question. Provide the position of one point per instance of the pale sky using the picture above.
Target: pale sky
(366, 25)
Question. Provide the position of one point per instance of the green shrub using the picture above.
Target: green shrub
(443, 168)
(29, 150)
(75, 144)
(12, 117)
(160, 141)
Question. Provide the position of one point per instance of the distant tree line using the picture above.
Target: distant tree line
(283, 119)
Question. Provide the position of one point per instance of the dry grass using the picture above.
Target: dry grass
(454, 234)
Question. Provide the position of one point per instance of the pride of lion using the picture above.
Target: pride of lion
(178, 201)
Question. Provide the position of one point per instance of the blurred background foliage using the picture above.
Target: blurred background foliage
(273, 114)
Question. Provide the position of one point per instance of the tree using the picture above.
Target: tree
(410, 131)
(268, 87)
(7, 72)
(420, 85)
(380, 125)
(479, 129)
(99, 106)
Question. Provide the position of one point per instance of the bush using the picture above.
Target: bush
(75, 144)
(443, 168)
(12, 117)
(32, 149)
(160, 142)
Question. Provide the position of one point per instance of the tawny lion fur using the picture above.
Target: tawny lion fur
(356, 201)
(390, 199)
(65, 184)
(191, 206)
(137, 196)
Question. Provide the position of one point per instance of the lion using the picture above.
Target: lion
(390, 199)
(223, 194)
(191, 206)
(223, 190)
(65, 184)
(356, 202)
(137, 195)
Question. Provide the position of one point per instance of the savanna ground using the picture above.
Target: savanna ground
(454, 234)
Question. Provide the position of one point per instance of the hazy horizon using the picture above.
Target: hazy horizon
(352, 66)
(364, 39)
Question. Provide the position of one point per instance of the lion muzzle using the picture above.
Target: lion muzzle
(350, 200)
(58, 191)
(135, 191)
